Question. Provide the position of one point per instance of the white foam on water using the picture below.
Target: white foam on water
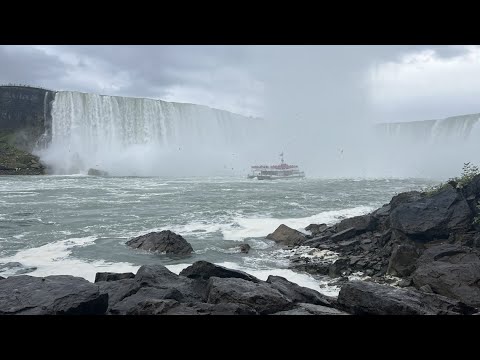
(54, 259)
(304, 280)
(260, 227)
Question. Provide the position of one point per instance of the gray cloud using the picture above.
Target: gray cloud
(245, 79)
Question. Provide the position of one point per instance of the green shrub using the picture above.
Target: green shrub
(469, 171)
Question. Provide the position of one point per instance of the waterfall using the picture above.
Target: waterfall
(430, 148)
(137, 136)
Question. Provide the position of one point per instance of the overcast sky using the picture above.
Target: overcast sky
(389, 83)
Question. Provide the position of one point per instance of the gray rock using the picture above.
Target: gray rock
(287, 236)
(158, 276)
(118, 290)
(405, 283)
(450, 270)
(51, 295)
(259, 296)
(213, 309)
(17, 268)
(310, 309)
(361, 223)
(403, 260)
(108, 276)
(145, 298)
(297, 293)
(339, 268)
(433, 216)
(427, 289)
(244, 248)
(163, 241)
(205, 270)
(368, 298)
(343, 235)
(316, 241)
(316, 229)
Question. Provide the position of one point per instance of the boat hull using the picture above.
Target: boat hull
(273, 177)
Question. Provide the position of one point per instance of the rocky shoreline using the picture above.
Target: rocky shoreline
(417, 255)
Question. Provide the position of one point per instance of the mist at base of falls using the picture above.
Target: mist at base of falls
(144, 137)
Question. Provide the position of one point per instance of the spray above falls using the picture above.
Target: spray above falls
(144, 137)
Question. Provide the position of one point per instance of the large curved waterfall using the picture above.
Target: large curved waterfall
(430, 148)
(136, 136)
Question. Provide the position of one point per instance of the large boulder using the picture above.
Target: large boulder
(109, 276)
(152, 283)
(287, 236)
(368, 298)
(431, 217)
(297, 293)
(403, 260)
(260, 297)
(205, 270)
(135, 304)
(164, 241)
(450, 270)
(158, 276)
(51, 295)
(118, 290)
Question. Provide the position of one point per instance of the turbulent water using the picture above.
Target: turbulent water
(79, 224)
(143, 137)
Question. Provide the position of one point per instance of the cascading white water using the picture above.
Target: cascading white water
(135, 136)
(431, 148)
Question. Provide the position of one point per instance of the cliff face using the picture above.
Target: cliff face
(25, 122)
(25, 113)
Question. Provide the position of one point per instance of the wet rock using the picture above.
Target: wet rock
(316, 241)
(361, 224)
(244, 248)
(259, 296)
(403, 260)
(405, 283)
(117, 290)
(51, 295)
(158, 276)
(17, 268)
(296, 293)
(450, 270)
(343, 235)
(145, 297)
(340, 267)
(426, 288)
(109, 276)
(310, 309)
(432, 216)
(163, 241)
(368, 298)
(316, 229)
(205, 270)
(287, 236)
